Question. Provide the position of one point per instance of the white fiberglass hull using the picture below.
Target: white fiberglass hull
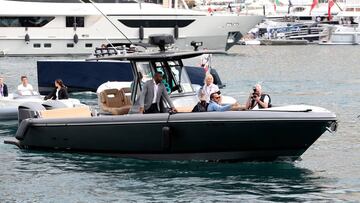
(56, 36)
(9, 105)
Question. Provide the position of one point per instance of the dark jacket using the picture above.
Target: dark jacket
(63, 94)
(200, 107)
(5, 90)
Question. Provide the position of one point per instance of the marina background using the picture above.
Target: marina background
(316, 75)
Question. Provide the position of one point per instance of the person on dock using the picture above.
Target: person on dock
(3, 88)
(25, 88)
(257, 99)
(59, 92)
(153, 93)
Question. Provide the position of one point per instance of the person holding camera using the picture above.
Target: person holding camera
(257, 99)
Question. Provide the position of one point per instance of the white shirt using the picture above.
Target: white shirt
(156, 88)
(266, 100)
(207, 90)
(28, 90)
(57, 94)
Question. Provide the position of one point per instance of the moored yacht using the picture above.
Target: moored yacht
(48, 28)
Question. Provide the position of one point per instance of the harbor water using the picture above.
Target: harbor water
(326, 76)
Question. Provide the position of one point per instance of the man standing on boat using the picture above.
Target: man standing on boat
(153, 93)
(3, 88)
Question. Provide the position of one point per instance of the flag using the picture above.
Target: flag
(330, 4)
(276, 3)
(315, 2)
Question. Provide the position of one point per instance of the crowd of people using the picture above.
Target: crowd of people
(26, 89)
(210, 99)
(154, 93)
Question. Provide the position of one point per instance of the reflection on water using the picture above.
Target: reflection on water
(146, 180)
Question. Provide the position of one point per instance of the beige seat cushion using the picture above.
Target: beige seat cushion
(76, 112)
(115, 101)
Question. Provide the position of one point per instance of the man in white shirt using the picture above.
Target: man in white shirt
(257, 99)
(25, 88)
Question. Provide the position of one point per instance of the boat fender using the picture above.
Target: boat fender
(176, 32)
(76, 38)
(166, 138)
(27, 38)
(21, 131)
(141, 33)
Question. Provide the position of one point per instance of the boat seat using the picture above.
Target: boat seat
(115, 101)
(76, 112)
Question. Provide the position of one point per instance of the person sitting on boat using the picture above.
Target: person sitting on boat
(3, 88)
(215, 104)
(153, 93)
(25, 88)
(209, 87)
(257, 99)
(59, 92)
(201, 106)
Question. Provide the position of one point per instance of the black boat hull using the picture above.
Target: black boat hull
(182, 137)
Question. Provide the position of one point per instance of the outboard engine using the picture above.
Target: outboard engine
(29, 110)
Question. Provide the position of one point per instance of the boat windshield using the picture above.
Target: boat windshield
(175, 77)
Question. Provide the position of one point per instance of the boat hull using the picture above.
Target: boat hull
(184, 136)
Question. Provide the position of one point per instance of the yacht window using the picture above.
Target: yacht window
(155, 23)
(73, 21)
(36, 45)
(88, 45)
(70, 45)
(350, 9)
(357, 9)
(24, 21)
(47, 45)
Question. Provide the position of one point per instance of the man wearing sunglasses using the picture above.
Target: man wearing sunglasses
(215, 104)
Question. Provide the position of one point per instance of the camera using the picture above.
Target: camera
(254, 94)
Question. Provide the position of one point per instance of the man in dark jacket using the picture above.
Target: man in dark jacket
(3, 88)
(152, 94)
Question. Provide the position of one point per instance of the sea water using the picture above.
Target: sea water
(326, 76)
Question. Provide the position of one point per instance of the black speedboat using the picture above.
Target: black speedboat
(276, 133)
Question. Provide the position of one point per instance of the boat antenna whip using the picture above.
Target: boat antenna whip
(105, 16)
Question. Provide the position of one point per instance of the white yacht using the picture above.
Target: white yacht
(348, 30)
(49, 28)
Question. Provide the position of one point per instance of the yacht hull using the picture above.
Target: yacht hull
(218, 136)
(49, 30)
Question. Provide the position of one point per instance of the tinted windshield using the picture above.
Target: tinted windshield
(175, 77)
